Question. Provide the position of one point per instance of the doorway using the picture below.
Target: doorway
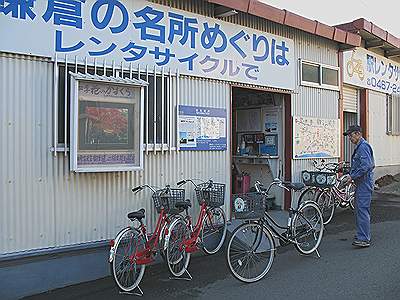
(258, 143)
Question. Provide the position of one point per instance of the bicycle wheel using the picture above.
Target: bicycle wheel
(214, 230)
(307, 228)
(309, 194)
(251, 252)
(351, 194)
(161, 240)
(125, 272)
(176, 256)
(326, 203)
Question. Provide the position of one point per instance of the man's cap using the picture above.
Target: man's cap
(352, 128)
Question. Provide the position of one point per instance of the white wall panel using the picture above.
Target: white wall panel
(386, 147)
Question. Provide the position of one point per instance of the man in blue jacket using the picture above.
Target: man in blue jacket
(362, 166)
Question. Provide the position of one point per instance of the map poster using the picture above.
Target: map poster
(201, 128)
(315, 138)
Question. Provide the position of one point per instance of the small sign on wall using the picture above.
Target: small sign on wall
(201, 128)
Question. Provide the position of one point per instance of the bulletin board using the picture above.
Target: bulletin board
(315, 138)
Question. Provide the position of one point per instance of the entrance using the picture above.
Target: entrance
(257, 141)
(351, 116)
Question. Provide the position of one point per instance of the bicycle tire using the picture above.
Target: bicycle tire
(241, 255)
(303, 223)
(164, 230)
(327, 205)
(176, 256)
(121, 259)
(309, 194)
(213, 232)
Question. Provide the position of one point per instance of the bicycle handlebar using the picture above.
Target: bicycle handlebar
(142, 187)
(181, 182)
(331, 166)
(276, 181)
(192, 182)
(136, 189)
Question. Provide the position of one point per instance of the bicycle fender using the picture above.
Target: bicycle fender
(112, 249)
(168, 236)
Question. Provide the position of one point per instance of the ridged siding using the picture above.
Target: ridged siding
(306, 101)
(27, 167)
(43, 204)
(350, 99)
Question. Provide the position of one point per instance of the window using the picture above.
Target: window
(330, 76)
(159, 112)
(318, 75)
(310, 73)
(393, 114)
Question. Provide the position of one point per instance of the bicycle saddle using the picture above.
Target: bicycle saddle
(139, 214)
(297, 186)
(183, 204)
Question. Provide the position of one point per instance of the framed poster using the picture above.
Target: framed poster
(106, 124)
(315, 138)
(201, 128)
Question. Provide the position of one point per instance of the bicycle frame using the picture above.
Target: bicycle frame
(191, 243)
(338, 194)
(146, 255)
(265, 220)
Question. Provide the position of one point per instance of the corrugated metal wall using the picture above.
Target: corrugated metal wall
(309, 101)
(43, 204)
(306, 101)
(27, 167)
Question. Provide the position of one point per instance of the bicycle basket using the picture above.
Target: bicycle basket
(167, 198)
(319, 179)
(249, 205)
(212, 193)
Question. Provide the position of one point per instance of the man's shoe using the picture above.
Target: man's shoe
(360, 244)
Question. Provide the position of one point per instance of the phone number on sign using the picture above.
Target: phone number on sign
(383, 85)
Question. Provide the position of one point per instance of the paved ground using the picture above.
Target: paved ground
(341, 273)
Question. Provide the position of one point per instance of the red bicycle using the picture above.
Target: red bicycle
(210, 230)
(132, 250)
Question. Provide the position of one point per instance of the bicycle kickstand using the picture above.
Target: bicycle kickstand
(188, 278)
(140, 293)
(317, 252)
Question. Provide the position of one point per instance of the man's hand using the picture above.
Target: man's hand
(346, 179)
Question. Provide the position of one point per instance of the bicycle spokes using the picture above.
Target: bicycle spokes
(250, 252)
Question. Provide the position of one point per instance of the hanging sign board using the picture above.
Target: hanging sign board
(369, 70)
(143, 33)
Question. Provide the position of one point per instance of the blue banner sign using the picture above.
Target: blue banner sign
(202, 128)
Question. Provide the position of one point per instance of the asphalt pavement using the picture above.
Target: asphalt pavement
(342, 272)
